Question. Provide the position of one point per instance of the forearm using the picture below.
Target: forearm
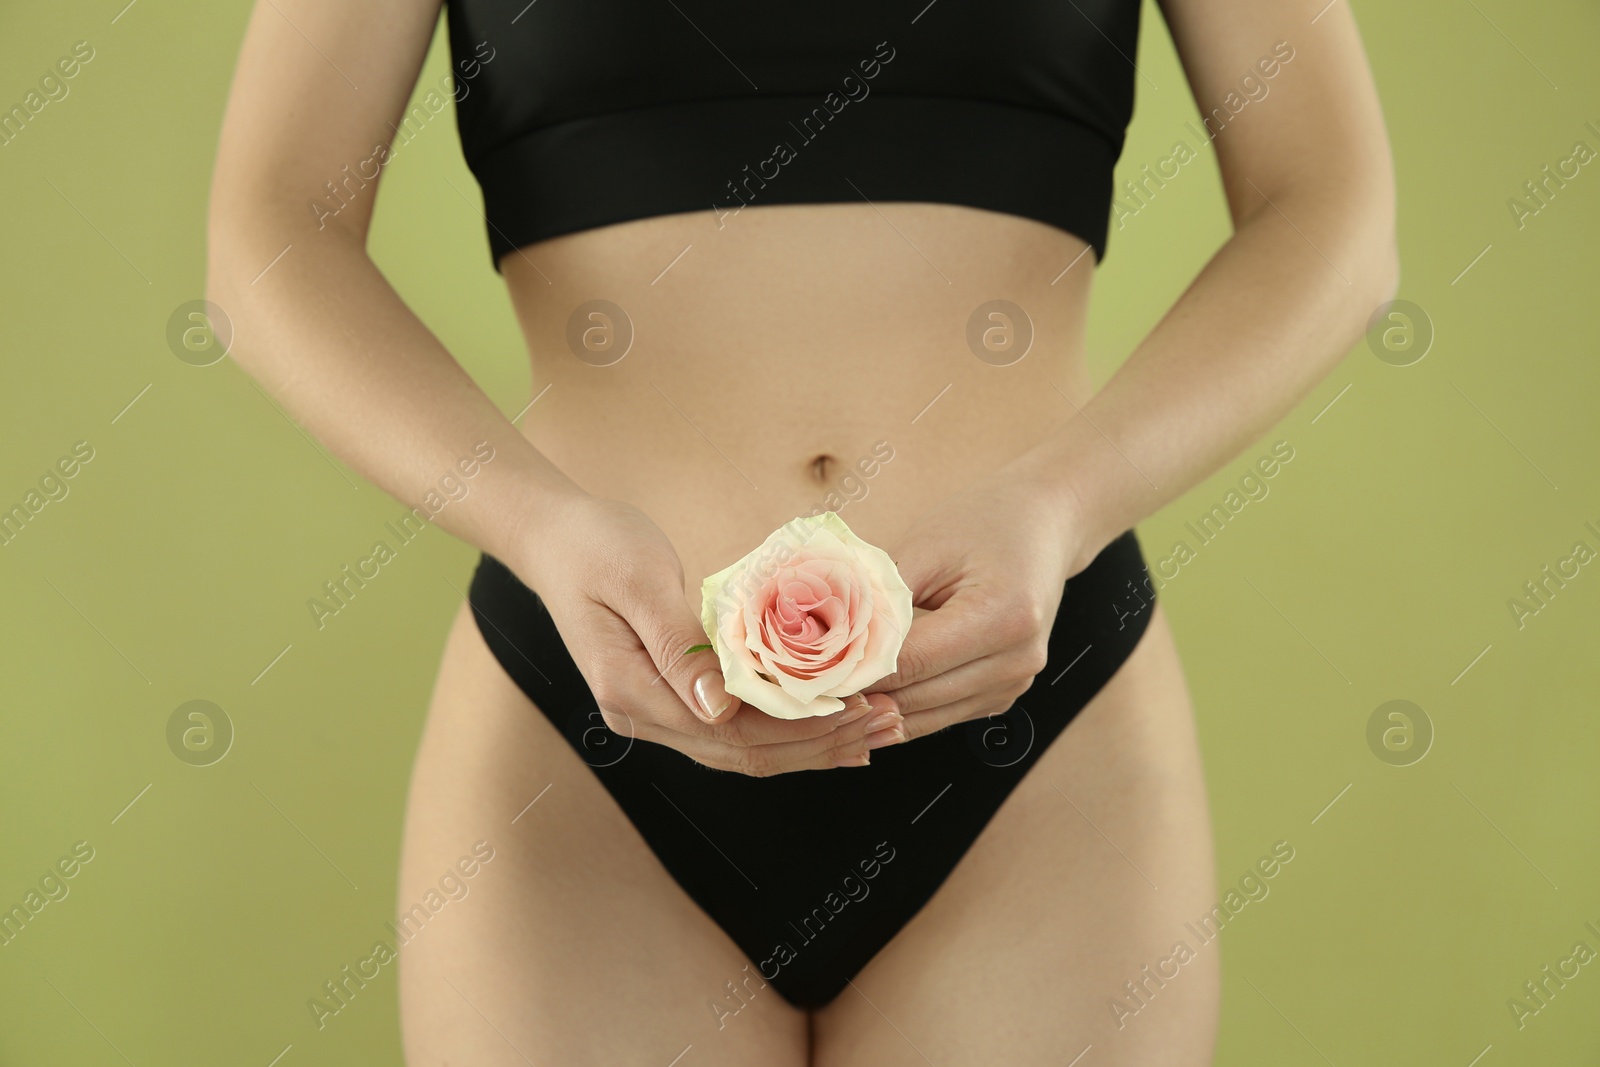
(1267, 319)
(330, 340)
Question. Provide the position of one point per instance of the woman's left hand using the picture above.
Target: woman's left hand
(990, 565)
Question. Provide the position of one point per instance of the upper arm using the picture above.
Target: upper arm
(1313, 122)
(318, 87)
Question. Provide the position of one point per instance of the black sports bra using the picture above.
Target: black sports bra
(581, 113)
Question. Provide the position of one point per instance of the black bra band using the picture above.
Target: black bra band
(715, 155)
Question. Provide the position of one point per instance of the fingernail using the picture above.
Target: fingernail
(886, 737)
(854, 712)
(883, 721)
(861, 760)
(712, 698)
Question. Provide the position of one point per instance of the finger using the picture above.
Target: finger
(660, 633)
(984, 705)
(986, 675)
(622, 676)
(754, 727)
(632, 707)
(941, 640)
(849, 746)
(926, 570)
(668, 632)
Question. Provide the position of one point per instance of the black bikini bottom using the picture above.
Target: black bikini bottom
(812, 872)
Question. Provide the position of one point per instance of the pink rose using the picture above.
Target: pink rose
(812, 615)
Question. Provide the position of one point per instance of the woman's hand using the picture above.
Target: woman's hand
(987, 568)
(614, 585)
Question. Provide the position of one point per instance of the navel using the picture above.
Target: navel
(820, 468)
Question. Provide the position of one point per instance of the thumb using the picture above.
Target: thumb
(924, 569)
(684, 657)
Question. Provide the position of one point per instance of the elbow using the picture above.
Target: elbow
(224, 222)
(1375, 282)
(1381, 246)
(249, 230)
(1384, 271)
(225, 285)
(216, 272)
(1347, 216)
(240, 226)
(1360, 210)
(1391, 283)
(1369, 253)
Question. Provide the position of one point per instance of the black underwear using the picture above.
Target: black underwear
(812, 872)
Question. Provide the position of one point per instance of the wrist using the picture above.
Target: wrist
(531, 529)
(1050, 474)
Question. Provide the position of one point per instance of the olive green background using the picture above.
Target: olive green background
(1378, 568)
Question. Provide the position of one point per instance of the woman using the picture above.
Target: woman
(768, 265)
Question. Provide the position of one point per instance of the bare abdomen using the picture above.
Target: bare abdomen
(843, 356)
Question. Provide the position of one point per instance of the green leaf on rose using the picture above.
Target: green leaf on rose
(692, 649)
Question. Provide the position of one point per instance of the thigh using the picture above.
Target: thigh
(1082, 884)
(568, 942)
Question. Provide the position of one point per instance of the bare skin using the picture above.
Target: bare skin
(760, 401)
(789, 334)
(575, 946)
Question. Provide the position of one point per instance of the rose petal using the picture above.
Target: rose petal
(741, 680)
(825, 623)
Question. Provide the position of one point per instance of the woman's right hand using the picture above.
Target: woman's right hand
(614, 585)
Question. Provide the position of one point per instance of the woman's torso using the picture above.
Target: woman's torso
(764, 340)
(798, 212)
